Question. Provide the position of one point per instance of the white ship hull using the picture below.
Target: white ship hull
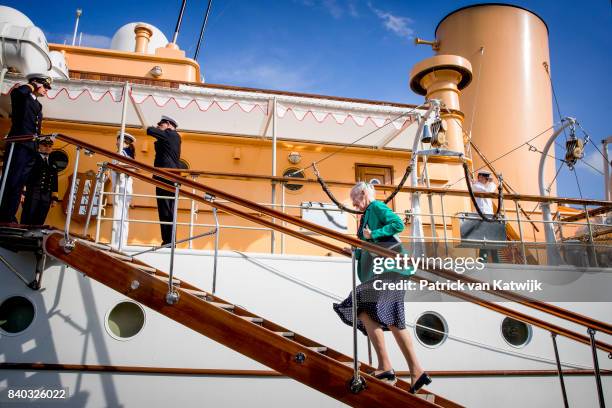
(297, 292)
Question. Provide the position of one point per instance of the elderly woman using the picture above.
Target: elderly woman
(381, 310)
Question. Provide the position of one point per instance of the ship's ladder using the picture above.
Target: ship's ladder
(277, 347)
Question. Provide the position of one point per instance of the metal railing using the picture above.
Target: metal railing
(212, 193)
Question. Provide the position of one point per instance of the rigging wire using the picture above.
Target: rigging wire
(464, 340)
(552, 88)
(532, 148)
(594, 145)
(357, 140)
(506, 153)
(469, 152)
(577, 182)
(556, 175)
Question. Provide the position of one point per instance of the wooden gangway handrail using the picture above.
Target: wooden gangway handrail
(260, 339)
(353, 242)
(390, 187)
(383, 251)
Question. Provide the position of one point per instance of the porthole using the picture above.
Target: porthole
(60, 158)
(515, 332)
(431, 329)
(295, 173)
(125, 320)
(16, 314)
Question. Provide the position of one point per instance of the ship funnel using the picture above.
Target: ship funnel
(143, 36)
(510, 100)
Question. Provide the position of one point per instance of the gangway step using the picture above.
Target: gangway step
(256, 320)
(195, 292)
(321, 360)
(143, 267)
(120, 256)
(175, 282)
(226, 306)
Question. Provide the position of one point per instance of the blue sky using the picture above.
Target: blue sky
(354, 48)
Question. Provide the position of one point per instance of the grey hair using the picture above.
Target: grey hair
(362, 186)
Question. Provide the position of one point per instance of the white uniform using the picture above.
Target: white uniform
(121, 183)
(485, 204)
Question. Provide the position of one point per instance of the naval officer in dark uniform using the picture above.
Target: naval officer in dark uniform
(167, 155)
(26, 119)
(41, 186)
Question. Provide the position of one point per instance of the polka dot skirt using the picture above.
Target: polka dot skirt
(383, 306)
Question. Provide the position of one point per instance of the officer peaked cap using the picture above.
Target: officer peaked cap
(43, 79)
(126, 137)
(169, 119)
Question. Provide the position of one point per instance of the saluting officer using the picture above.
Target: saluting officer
(26, 119)
(167, 155)
(41, 186)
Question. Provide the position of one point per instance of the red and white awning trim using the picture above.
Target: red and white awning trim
(204, 98)
(96, 90)
(183, 99)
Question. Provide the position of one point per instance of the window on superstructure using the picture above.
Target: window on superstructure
(293, 172)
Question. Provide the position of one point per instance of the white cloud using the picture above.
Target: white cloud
(259, 73)
(398, 25)
(592, 161)
(333, 7)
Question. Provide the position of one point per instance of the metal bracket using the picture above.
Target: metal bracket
(209, 197)
(172, 297)
(67, 244)
(356, 385)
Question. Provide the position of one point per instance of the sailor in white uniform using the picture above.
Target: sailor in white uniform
(122, 185)
(484, 184)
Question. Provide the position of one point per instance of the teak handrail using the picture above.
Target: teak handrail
(389, 187)
(324, 372)
(471, 298)
(356, 243)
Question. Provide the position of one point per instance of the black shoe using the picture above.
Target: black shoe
(386, 376)
(424, 379)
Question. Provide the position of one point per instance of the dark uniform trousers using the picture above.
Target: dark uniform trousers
(167, 155)
(40, 187)
(165, 210)
(26, 119)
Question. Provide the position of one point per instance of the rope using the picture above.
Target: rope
(500, 197)
(330, 194)
(341, 206)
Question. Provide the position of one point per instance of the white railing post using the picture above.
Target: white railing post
(172, 297)
(67, 242)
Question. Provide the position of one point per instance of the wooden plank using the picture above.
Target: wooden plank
(524, 300)
(222, 372)
(317, 370)
(448, 274)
